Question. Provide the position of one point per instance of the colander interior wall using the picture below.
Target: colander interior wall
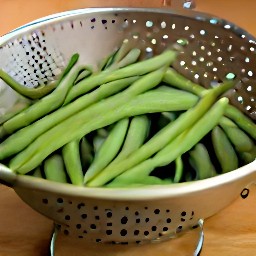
(213, 49)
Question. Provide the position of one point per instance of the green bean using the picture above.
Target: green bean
(136, 135)
(178, 169)
(194, 134)
(54, 169)
(41, 90)
(98, 140)
(85, 153)
(248, 157)
(140, 68)
(241, 120)
(31, 93)
(22, 138)
(173, 78)
(162, 138)
(83, 74)
(106, 61)
(108, 149)
(71, 157)
(14, 110)
(129, 59)
(2, 132)
(224, 150)
(165, 118)
(37, 173)
(136, 106)
(241, 141)
(181, 144)
(121, 52)
(92, 118)
(201, 162)
(44, 106)
(149, 180)
(114, 57)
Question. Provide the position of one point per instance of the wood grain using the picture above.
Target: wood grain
(24, 232)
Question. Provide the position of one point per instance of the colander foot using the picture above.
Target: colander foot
(200, 243)
(53, 240)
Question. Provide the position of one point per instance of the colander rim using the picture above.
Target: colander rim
(142, 193)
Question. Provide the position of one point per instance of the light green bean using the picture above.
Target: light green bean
(72, 161)
(108, 149)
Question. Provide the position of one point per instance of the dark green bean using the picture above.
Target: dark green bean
(85, 153)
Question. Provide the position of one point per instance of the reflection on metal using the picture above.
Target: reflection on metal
(186, 4)
(201, 238)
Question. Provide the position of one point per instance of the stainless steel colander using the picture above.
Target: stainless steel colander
(215, 48)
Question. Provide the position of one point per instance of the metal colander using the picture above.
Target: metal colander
(212, 49)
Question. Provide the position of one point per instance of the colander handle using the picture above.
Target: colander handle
(7, 176)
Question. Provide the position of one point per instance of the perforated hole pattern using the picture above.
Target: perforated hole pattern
(109, 223)
(212, 49)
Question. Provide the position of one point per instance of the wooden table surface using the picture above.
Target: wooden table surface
(24, 232)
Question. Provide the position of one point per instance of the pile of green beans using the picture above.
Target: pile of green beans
(129, 123)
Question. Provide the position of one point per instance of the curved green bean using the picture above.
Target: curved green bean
(41, 90)
(31, 93)
(44, 106)
(72, 161)
(178, 169)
